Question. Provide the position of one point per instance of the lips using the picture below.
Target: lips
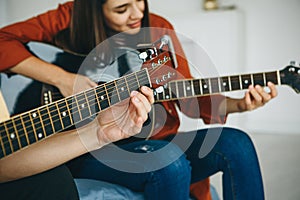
(135, 25)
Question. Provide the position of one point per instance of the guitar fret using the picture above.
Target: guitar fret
(252, 79)
(83, 106)
(133, 83)
(113, 93)
(188, 88)
(235, 83)
(54, 119)
(123, 89)
(214, 85)
(258, 79)
(219, 84)
(31, 124)
(74, 101)
(59, 116)
(240, 81)
(88, 104)
(205, 86)
(92, 102)
(136, 78)
(166, 92)
(230, 85)
(142, 79)
(265, 80)
(69, 111)
(200, 86)
(43, 132)
(278, 77)
(10, 149)
(98, 107)
(17, 132)
(184, 88)
(64, 113)
(225, 86)
(47, 120)
(197, 87)
(12, 136)
(180, 88)
(173, 89)
(192, 87)
(25, 130)
(272, 77)
(3, 152)
(246, 81)
(101, 94)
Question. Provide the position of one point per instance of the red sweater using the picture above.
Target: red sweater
(44, 27)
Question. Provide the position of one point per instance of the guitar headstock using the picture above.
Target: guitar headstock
(290, 75)
(160, 60)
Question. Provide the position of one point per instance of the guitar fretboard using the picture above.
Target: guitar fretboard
(35, 125)
(179, 89)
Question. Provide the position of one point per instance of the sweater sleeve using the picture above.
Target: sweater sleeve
(40, 28)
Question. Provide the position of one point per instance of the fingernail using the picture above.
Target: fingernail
(134, 93)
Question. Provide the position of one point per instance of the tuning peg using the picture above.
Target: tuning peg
(294, 63)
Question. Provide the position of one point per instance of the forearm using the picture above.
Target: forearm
(41, 156)
(40, 70)
(231, 105)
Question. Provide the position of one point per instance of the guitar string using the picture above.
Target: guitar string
(59, 114)
(86, 97)
(112, 86)
(237, 81)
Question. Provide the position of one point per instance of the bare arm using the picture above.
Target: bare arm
(62, 147)
(45, 72)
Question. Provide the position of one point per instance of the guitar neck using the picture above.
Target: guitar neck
(179, 89)
(35, 125)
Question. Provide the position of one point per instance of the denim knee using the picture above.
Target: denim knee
(236, 143)
(172, 181)
(164, 155)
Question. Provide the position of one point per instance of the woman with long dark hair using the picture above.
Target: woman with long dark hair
(164, 169)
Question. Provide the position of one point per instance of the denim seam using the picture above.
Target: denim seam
(230, 173)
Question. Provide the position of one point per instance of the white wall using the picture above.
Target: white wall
(271, 40)
(272, 30)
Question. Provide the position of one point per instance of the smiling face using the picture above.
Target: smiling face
(124, 15)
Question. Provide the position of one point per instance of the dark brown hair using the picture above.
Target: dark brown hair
(87, 28)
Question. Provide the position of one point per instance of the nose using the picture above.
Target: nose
(136, 13)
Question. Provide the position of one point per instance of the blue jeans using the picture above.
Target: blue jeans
(164, 169)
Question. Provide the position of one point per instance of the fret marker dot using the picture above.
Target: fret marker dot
(224, 83)
(82, 105)
(205, 86)
(102, 97)
(122, 88)
(188, 88)
(246, 81)
(40, 135)
(167, 97)
(34, 115)
(12, 136)
(64, 114)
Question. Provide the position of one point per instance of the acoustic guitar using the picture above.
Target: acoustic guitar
(157, 72)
